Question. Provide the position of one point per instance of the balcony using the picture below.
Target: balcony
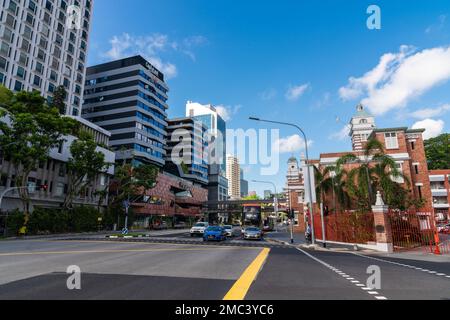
(437, 192)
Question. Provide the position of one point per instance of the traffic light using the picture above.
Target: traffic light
(291, 214)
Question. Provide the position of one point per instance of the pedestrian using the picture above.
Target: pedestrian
(308, 234)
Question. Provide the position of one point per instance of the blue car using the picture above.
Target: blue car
(214, 234)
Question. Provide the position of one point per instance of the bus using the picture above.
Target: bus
(251, 216)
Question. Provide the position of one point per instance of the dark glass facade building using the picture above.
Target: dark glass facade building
(128, 97)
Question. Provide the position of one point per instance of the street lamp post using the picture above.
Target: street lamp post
(311, 208)
(275, 199)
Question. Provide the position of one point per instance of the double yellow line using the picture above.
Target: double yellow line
(240, 288)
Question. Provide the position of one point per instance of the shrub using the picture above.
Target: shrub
(84, 219)
(15, 221)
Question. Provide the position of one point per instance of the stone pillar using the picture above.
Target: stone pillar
(382, 226)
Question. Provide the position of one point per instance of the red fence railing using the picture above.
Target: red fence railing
(347, 227)
(412, 229)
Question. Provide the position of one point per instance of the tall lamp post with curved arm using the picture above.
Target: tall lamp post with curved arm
(311, 207)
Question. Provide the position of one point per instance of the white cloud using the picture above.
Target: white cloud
(295, 92)
(150, 47)
(437, 26)
(433, 128)
(268, 94)
(430, 112)
(341, 135)
(398, 78)
(291, 144)
(227, 112)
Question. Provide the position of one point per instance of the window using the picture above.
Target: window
(59, 189)
(419, 189)
(20, 72)
(4, 49)
(37, 81)
(391, 140)
(53, 75)
(413, 145)
(51, 87)
(39, 67)
(416, 168)
(18, 86)
(2, 63)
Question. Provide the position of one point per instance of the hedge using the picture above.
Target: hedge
(54, 221)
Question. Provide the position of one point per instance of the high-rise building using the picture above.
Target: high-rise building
(208, 115)
(128, 98)
(362, 125)
(233, 176)
(186, 148)
(44, 44)
(244, 185)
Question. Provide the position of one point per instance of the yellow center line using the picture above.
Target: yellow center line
(242, 285)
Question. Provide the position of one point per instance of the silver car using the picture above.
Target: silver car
(232, 230)
(253, 233)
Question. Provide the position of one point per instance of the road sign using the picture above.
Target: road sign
(126, 204)
(125, 231)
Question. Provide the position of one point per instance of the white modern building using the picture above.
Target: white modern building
(44, 44)
(209, 117)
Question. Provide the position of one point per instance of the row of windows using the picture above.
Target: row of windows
(152, 121)
(151, 131)
(149, 151)
(148, 140)
(150, 79)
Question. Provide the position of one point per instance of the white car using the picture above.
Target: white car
(199, 229)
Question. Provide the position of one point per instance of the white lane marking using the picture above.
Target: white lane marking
(373, 292)
(402, 265)
(356, 283)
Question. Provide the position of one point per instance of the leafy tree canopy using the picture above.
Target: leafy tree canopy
(438, 152)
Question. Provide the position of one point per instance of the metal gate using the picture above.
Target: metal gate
(416, 231)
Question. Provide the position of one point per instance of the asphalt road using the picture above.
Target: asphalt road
(36, 270)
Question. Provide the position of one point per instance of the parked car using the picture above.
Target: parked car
(180, 225)
(215, 234)
(253, 233)
(160, 226)
(199, 229)
(443, 228)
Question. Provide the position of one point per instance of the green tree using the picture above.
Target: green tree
(332, 179)
(438, 152)
(32, 128)
(59, 98)
(252, 197)
(84, 166)
(363, 181)
(130, 182)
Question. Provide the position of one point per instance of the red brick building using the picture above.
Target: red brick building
(404, 145)
(171, 197)
(440, 191)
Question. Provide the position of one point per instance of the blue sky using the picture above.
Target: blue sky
(290, 61)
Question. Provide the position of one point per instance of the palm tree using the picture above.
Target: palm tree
(332, 178)
(366, 178)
